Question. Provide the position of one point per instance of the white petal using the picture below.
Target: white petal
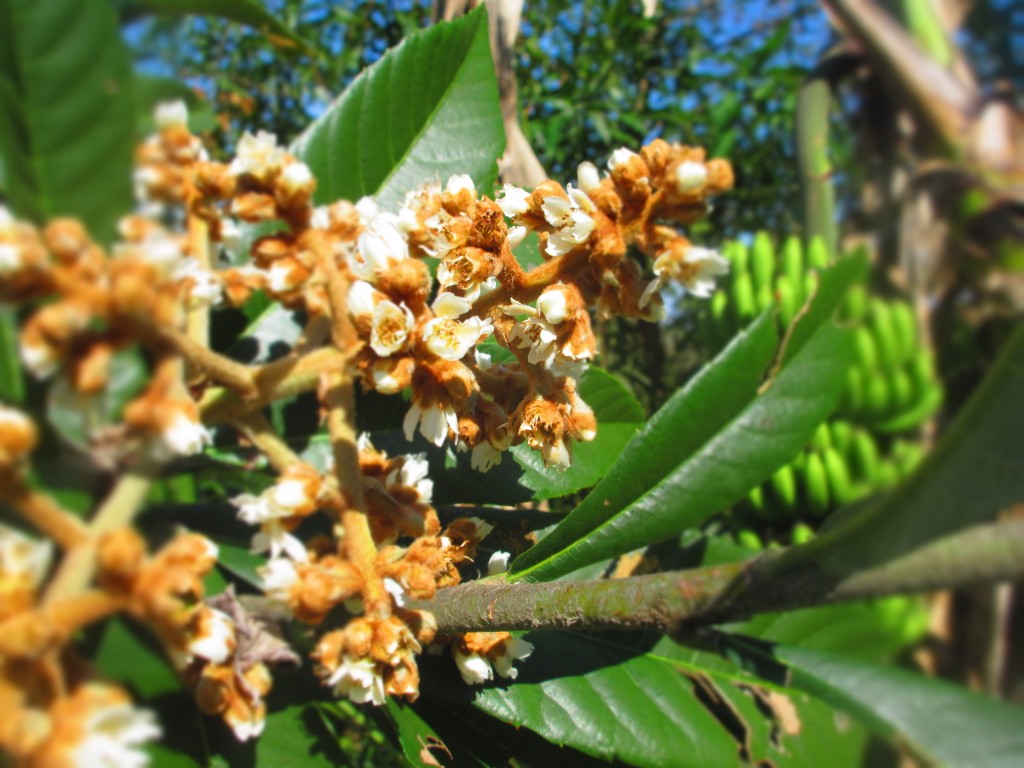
(474, 668)
(498, 563)
(449, 305)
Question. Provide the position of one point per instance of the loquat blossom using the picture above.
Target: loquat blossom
(693, 267)
(498, 563)
(358, 680)
(391, 326)
(182, 435)
(275, 511)
(479, 655)
(514, 201)
(170, 114)
(257, 156)
(98, 726)
(449, 338)
(23, 564)
(571, 219)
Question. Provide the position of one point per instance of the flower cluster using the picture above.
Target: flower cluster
(428, 300)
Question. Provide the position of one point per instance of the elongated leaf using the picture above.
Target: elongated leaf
(756, 442)
(968, 478)
(618, 703)
(249, 12)
(428, 109)
(67, 119)
(942, 723)
(619, 416)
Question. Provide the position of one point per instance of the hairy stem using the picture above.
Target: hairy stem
(261, 433)
(77, 568)
(770, 582)
(47, 516)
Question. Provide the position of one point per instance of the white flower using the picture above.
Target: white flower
(257, 156)
(484, 456)
(231, 236)
(278, 577)
(205, 289)
(358, 680)
(113, 735)
(171, 114)
(514, 201)
(274, 538)
(690, 177)
(384, 380)
(413, 474)
(695, 268)
(620, 156)
(391, 327)
(218, 641)
(22, 558)
(320, 218)
(553, 306)
(588, 177)
(434, 421)
(283, 276)
(474, 668)
(248, 729)
(296, 177)
(10, 258)
(514, 649)
(451, 339)
(362, 298)
(498, 563)
(379, 248)
(367, 209)
(571, 219)
(182, 437)
(460, 182)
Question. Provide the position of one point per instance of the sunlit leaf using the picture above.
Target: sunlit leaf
(427, 110)
(67, 116)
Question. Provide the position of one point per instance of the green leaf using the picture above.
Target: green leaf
(67, 118)
(943, 724)
(249, 12)
(619, 416)
(617, 702)
(12, 386)
(413, 733)
(428, 109)
(972, 474)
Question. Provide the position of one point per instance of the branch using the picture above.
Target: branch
(769, 582)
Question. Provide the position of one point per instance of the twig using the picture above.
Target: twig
(768, 583)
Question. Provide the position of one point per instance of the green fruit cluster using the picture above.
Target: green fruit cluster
(892, 386)
(844, 462)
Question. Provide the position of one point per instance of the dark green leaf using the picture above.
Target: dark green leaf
(428, 109)
(943, 724)
(617, 702)
(67, 119)
(619, 416)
